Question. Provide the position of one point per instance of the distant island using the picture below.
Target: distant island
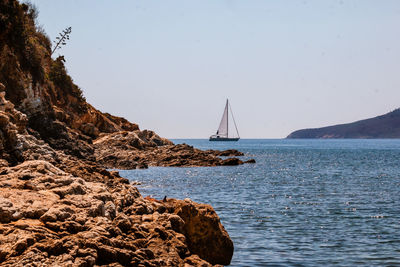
(384, 126)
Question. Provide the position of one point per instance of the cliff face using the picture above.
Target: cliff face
(385, 126)
(58, 203)
(55, 108)
(41, 88)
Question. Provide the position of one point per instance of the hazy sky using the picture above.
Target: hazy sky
(284, 65)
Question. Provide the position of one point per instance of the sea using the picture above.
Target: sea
(305, 202)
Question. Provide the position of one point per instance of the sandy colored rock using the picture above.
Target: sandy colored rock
(97, 224)
(59, 206)
(205, 235)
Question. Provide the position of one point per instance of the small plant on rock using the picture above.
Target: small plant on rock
(62, 39)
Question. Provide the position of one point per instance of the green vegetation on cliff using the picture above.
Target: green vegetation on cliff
(41, 88)
(25, 60)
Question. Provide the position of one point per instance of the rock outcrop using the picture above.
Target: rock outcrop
(12, 122)
(57, 209)
(79, 214)
(50, 217)
(139, 149)
(59, 206)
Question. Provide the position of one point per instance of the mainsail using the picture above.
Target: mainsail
(223, 126)
(223, 129)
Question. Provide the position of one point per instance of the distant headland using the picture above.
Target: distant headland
(384, 126)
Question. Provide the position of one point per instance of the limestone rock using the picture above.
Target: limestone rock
(87, 221)
(59, 206)
(205, 234)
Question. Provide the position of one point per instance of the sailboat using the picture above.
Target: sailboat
(223, 129)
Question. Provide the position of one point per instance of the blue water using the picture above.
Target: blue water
(304, 203)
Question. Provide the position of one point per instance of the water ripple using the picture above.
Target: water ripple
(304, 203)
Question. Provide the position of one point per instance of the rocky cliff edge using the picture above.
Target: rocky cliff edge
(59, 206)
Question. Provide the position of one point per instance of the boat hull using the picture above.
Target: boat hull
(223, 139)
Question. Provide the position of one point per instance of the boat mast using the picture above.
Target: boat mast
(227, 118)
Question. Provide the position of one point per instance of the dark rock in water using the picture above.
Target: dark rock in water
(385, 126)
(232, 162)
(250, 161)
(226, 153)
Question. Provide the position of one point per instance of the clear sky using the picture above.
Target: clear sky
(169, 65)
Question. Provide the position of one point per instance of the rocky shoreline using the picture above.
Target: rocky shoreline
(59, 206)
(58, 210)
(135, 149)
(50, 217)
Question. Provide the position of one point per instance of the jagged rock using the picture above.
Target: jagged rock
(86, 226)
(109, 210)
(177, 223)
(3, 163)
(6, 210)
(58, 205)
(89, 129)
(4, 119)
(123, 222)
(131, 150)
(195, 260)
(205, 234)
(9, 119)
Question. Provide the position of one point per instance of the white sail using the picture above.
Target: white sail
(223, 126)
(223, 129)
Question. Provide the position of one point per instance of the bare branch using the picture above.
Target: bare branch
(61, 39)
